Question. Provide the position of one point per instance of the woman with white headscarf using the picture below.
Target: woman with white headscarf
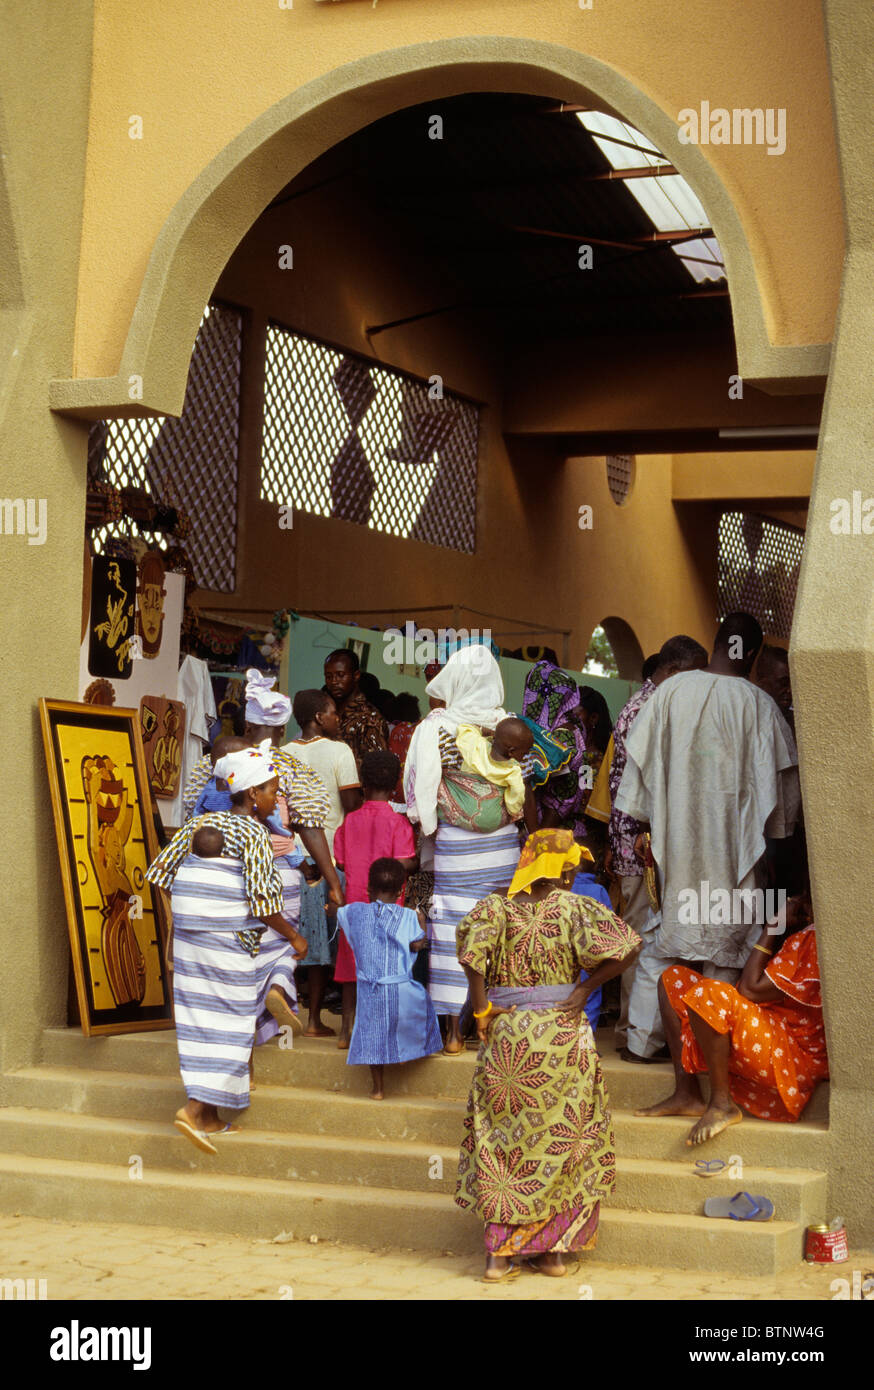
(232, 943)
(475, 842)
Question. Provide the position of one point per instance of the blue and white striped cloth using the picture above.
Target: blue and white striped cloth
(468, 866)
(291, 882)
(218, 988)
(394, 1018)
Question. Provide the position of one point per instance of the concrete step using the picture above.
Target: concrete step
(415, 1119)
(262, 1207)
(643, 1185)
(317, 1063)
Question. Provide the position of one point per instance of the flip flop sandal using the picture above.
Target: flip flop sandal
(511, 1272)
(277, 1005)
(199, 1139)
(224, 1131)
(740, 1207)
(710, 1167)
(548, 1273)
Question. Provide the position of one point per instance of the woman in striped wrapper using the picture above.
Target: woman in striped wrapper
(232, 945)
(472, 839)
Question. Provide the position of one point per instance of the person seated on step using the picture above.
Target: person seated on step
(394, 1019)
(762, 1042)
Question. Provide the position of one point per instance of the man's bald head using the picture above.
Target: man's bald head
(737, 643)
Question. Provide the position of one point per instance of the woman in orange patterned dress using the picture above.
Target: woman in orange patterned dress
(762, 1041)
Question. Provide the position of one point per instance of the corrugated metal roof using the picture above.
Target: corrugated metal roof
(502, 203)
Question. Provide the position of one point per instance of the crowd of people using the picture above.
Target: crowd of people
(510, 878)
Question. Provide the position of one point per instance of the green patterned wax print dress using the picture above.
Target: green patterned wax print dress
(538, 1155)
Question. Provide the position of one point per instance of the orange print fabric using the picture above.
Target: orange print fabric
(778, 1050)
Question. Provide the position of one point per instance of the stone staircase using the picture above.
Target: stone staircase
(317, 1157)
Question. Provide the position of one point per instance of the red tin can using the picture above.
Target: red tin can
(826, 1245)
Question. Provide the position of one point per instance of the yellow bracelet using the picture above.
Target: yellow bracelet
(763, 950)
(485, 1012)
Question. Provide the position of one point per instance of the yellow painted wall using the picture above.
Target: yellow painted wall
(43, 120)
(758, 474)
(198, 74)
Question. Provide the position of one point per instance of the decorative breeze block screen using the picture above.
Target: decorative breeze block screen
(348, 439)
(759, 562)
(191, 462)
(620, 476)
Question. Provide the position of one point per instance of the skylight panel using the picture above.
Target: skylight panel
(667, 199)
(669, 203)
(702, 258)
(613, 130)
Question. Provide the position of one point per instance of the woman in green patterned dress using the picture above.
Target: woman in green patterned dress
(538, 1154)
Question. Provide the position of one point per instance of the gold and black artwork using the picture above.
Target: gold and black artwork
(150, 603)
(162, 722)
(112, 640)
(106, 841)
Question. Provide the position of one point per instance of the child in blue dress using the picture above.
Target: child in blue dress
(395, 1019)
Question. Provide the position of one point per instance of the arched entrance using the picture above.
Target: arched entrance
(221, 204)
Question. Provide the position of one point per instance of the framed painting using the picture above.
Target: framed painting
(102, 808)
(361, 650)
(162, 725)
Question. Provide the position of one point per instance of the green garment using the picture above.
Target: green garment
(539, 1136)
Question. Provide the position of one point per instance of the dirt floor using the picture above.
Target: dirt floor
(81, 1261)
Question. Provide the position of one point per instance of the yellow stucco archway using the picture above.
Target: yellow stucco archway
(214, 214)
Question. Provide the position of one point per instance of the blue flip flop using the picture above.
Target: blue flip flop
(710, 1167)
(740, 1207)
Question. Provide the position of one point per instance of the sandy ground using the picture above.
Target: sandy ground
(84, 1261)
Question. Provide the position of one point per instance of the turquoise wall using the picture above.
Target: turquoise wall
(311, 639)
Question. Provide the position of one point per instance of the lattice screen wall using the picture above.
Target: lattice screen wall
(347, 439)
(759, 562)
(191, 462)
(620, 476)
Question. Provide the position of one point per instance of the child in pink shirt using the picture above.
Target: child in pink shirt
(372, 832)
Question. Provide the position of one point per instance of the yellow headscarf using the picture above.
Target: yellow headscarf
(546, 854)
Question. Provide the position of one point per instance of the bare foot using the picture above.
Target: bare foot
(680, 1103)
(377, 1095)
(318, 1030)
(343, 1042)
(713, 1121)
(206, 1123)
(551, 1264)
(453, 1048)
(497, 1268)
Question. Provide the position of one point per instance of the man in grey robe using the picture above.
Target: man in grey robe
(712, 767)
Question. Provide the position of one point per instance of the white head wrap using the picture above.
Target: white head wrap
(473, 688)
(248, 767)
(264, 705)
